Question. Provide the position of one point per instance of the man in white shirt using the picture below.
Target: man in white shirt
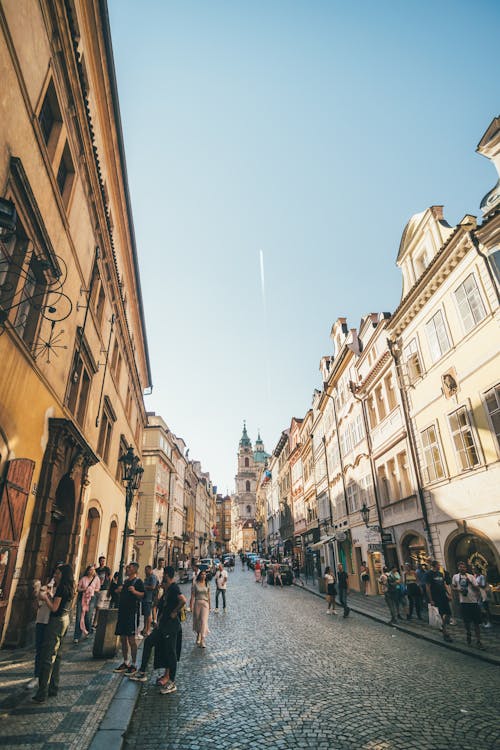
(221, 585)
(469, 597)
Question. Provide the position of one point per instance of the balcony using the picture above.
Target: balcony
(387, 428)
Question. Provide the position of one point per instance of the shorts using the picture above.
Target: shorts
(125, 624)
(471, 614)
(443, 606)
(146, 608)
(365, 577)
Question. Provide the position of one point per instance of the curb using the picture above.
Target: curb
(425, 636)
(111, 732)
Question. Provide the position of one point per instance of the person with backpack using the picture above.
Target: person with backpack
(437, 583)
(388, 585)
(88, 585)
(469, 597)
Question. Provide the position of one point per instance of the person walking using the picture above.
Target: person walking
(131, 592)
(437, 583)
(166, 639)
(296, 571)
(59, 606)
(343, 584)
(277, 574)
(386, 586)
(484, 590)
(365, 578)
(200, 607)
(150, 586)
(42, 620)
(257, 571)
(88, 585)
(413, 592)
(220, 587)
(158, 592)
(331, 591)
(469, 598)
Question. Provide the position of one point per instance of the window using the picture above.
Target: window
(389, 389)
(247, 486)
(50, 118)
(433, 465)
(463, 439)
(494, 259)
(437, 336)
(379, 396)
(492, 401)
(105, 433)
(404, 475)
(470, 304)
(372, 413)
(412, 359)
(79, 389)
(385, 495)
(65, 174)
(352, 497)
(128, 404)
(247, 462)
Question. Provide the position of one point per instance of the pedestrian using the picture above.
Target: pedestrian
(470, 598)
(42, 619)
(484, 590)
(131, 592)
(150, 586)
(257, 571)
(387, 586)
(365, 578)
(277, 574)
(220, 587)
(343, 584)
(166, 639)
(114, 597)
(157, 593)
(421, 573)
(437, 583)
(88, 585)
(413, 592)
(331, 591)
(60, 607)
(104, 574)
(200, 607)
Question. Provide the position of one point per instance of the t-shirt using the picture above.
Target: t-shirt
(466, 594)
(170, 601)
(437, 580)
(150, 580)
(342, 579)
(65, 605)
(104, 574)
(221, 579)
(128, 602)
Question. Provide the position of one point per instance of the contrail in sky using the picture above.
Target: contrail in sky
(264, 308)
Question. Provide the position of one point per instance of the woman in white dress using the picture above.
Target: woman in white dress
(200, 607)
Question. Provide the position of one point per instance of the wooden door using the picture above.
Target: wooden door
(14, 497)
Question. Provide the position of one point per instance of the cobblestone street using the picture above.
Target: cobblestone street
(279, 673)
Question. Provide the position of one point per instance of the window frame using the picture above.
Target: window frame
(434, 426)
(476, 444)
(439, 311)
(496, 437)
(475, 322)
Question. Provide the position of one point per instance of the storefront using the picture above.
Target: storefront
(414, 549)
(477, 551)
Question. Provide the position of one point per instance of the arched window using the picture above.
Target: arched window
(247, 462)
(249, 510)
(247, 486)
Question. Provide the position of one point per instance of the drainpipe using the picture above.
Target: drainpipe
(335, 546)
(493, 280)
(412, 443)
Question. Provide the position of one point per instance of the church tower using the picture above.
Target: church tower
(250, 465)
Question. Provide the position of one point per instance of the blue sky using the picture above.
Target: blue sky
(311, 131)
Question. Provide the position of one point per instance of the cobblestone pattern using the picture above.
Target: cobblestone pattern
(67, 722)
(279, 673)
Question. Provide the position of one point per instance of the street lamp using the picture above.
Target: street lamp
(365, 514)
(158, 526)
(132, 472)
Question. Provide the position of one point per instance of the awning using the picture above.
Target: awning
(322, 541)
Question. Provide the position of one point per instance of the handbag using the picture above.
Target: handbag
(183, 615)
(434, 617)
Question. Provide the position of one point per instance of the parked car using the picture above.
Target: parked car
(209, 561)
(228, 561)
(285, 572)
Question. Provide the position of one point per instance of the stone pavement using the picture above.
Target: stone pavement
(279, 673)
(376, 608)
(67, 722)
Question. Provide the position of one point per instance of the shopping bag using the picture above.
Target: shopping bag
(434, 617)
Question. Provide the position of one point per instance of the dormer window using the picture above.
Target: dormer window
(421, 262)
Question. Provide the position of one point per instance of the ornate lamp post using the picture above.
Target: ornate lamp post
(365, 514)
(132, 472)
(158, 526)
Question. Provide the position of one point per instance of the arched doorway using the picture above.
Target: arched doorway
(113, 534)
(414, 549)
(90, 538)
(61, 522)
(475, 549)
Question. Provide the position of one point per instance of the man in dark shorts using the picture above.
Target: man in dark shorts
(470, 596)
(437, 584)
(150, 586)
(131, 592)
(343, 584)
(167, 637)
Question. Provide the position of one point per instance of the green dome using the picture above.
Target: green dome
(245, 441)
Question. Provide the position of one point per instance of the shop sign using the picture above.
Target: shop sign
(374, 548)
(387, 537)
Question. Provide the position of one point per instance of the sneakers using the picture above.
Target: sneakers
(32, 684)
(328, 611)
(138, 676)
(487, 625)
(131, 670)
(75, 641)
(122, 668)
(216, 609)
(170, 687)
(346, 611)
(333, 611)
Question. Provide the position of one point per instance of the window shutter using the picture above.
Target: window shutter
(14, 498)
